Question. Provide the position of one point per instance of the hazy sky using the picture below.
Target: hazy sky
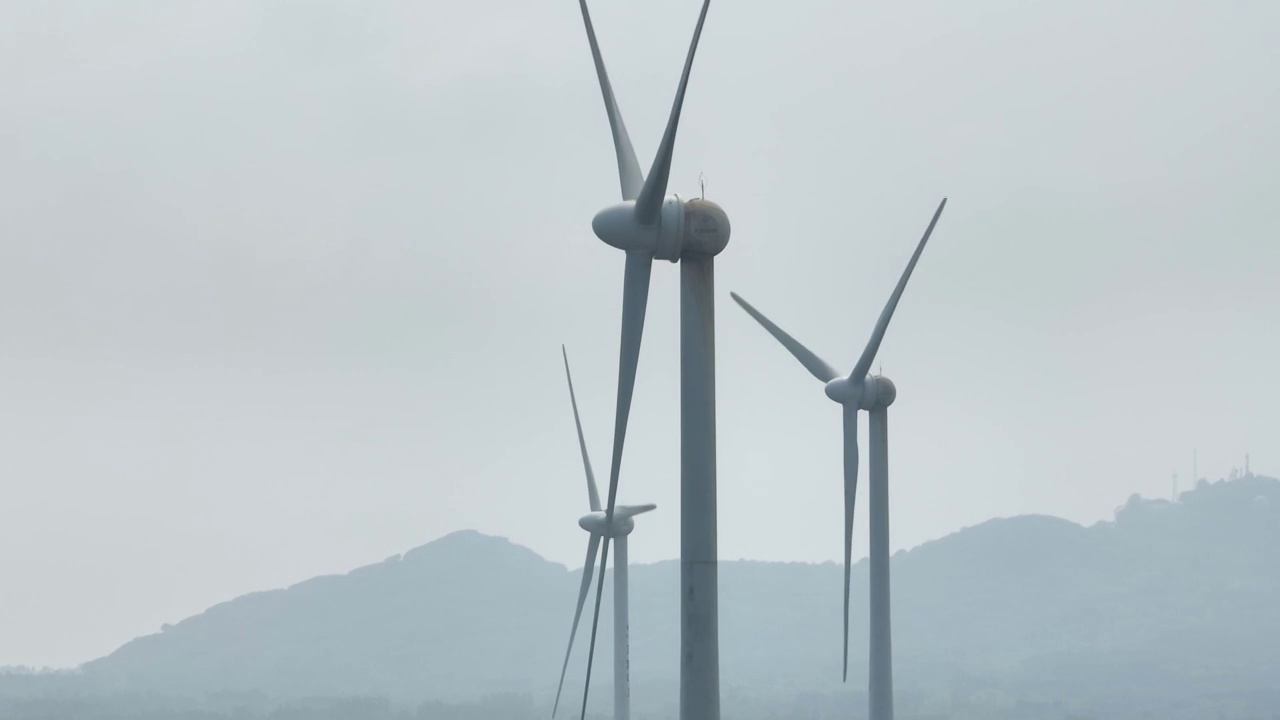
(283, 285)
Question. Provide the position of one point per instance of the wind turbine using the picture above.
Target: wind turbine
(600, 526)
(650, 224)
(860, 391)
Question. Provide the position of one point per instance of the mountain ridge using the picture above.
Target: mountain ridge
(1023, 604)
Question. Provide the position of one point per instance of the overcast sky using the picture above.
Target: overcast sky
(283, 285)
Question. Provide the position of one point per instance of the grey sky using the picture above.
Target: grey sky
(282, 285)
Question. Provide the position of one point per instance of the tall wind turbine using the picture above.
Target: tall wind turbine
(618, 529)
(860, 391)
(650, 224)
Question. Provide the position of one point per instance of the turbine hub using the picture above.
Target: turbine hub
(595, 523)
(844, 391)
(683, 226)
(882, 393)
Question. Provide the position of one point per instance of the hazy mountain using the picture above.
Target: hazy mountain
(1170, 607)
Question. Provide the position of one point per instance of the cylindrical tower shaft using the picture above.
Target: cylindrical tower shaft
(880, 695)
(699, 621)
(621, 633)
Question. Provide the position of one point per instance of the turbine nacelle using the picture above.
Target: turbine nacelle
(682, 226)
(885, 393)
(597, 523)
(872, 393)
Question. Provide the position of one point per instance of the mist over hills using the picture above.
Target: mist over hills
(1171, 609)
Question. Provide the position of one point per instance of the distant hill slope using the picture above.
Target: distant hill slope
(1168, 599)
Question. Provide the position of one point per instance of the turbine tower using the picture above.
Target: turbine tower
(618, 529)
(860, 391)
(650, 224)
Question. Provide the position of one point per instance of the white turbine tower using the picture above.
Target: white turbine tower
(650, 224)
(599, 526)
(860, 391)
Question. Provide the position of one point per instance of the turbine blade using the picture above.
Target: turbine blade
(811, 362)
(628, 167)
(869, 353)
(649, 202)
(850, 493)
(593, 494)
(592, 545)
(595, 625)
(628, 511)
(635, 299)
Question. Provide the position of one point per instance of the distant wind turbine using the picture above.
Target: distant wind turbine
(860, 391)
(616, 528)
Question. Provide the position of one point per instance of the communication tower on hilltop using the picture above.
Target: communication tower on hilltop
(1175, 488)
